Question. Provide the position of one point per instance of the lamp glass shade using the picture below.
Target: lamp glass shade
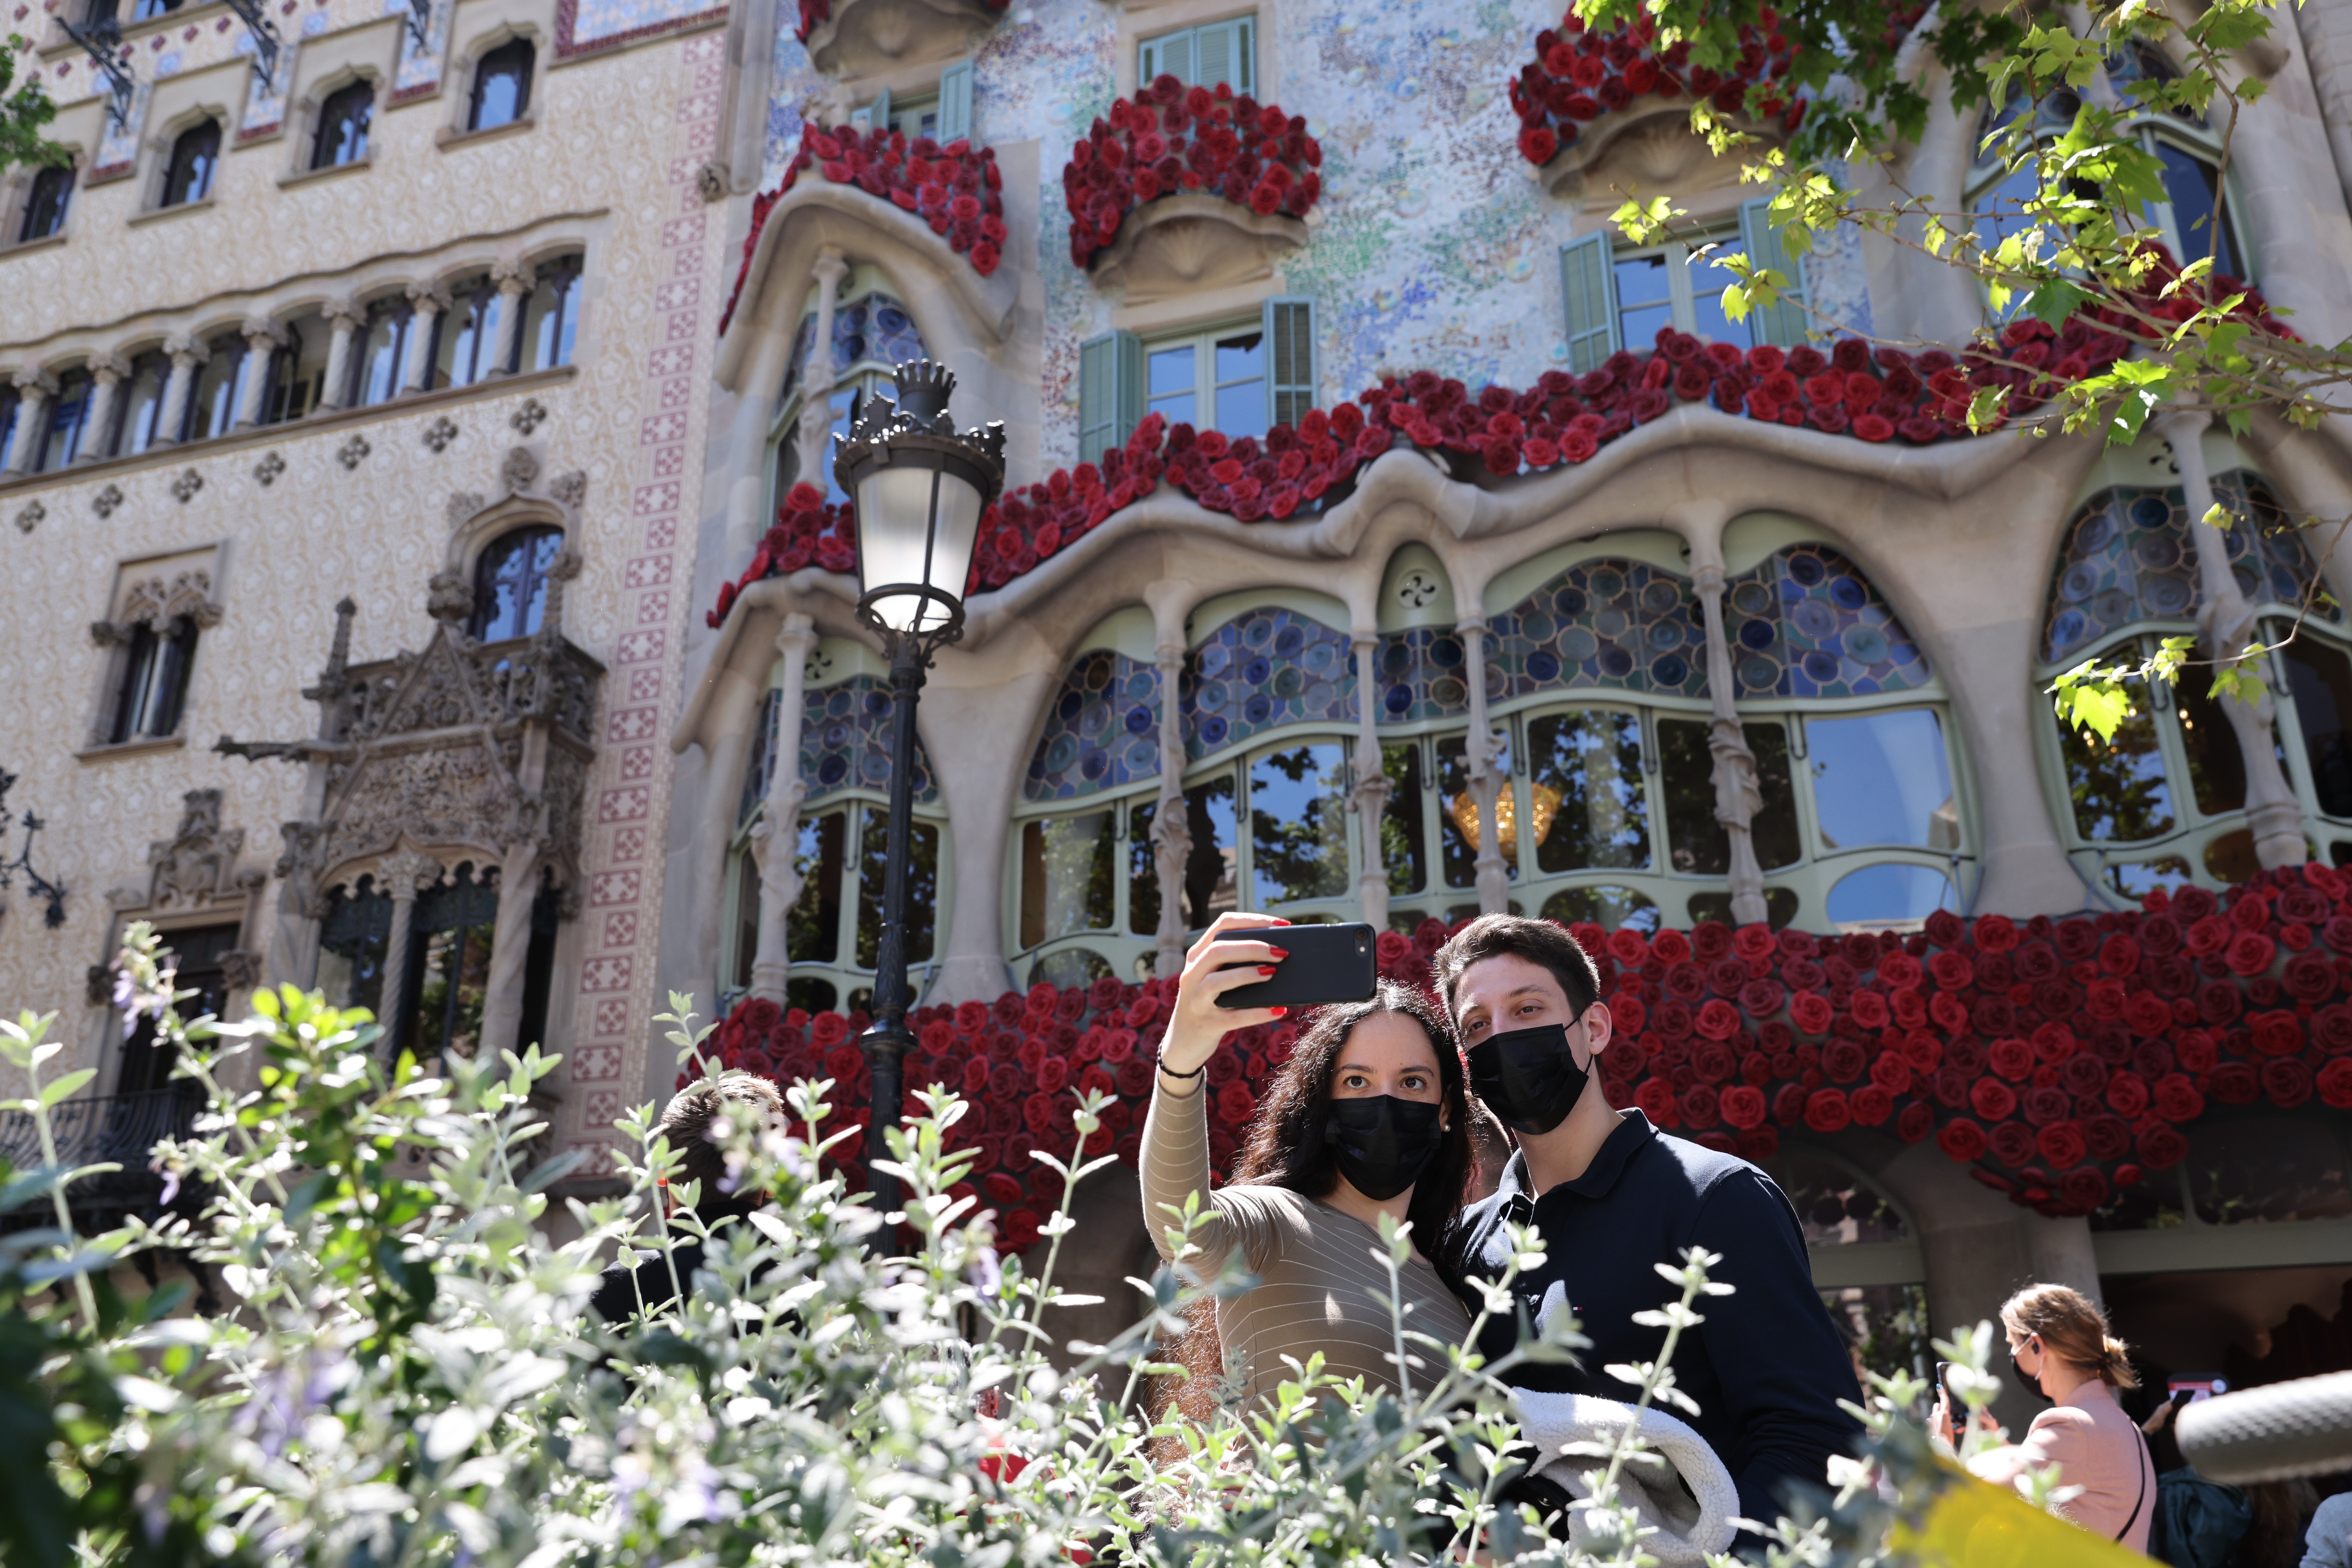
(894, 523)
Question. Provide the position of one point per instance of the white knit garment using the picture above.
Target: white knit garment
(1691, 1519)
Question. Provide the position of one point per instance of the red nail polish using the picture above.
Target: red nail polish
(1266, 969)
(1281, 1012)
(1280, 951)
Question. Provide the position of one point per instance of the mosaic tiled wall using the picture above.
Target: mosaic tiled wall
(584, 24)
(845, 741)
(1805, 621)
(1260, 671)
(1102, 731)
(1609, 626)
(1433, 246)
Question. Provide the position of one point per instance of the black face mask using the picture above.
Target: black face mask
(2031, 1383)
(1382, 1143)
(1528, 1077)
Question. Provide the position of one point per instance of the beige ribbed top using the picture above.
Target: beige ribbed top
(1319, 1281)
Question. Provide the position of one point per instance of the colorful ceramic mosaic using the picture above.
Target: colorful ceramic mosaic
(1102, 730)
(2129, 557)
(1609, 626)
(872, 328)
(582, 25)
(419, 71)
(265, 100)
(845, 741)
(1262, 669)
(1806, 623)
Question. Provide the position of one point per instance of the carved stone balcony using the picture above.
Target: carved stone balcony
(862, 38)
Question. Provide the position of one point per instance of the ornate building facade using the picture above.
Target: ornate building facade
(1389, 538)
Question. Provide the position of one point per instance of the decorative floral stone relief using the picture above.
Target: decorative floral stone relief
(440, 433)
(353, 452)
(528, 417)
(105, 500)
(186, 486)
(857, 37)
(29, 516)
(266, 472)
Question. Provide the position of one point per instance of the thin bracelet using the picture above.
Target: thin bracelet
(1171, 1072)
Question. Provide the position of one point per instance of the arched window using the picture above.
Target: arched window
(343, 126)
(501, 86)
(552, 316)
(45, 204)
(467, 334)
(67, 420)
(834, 933)
(219, 382)
(139, 406)
(2163, 803)
(188, 171)
(872, 333)
(510, 583)
(154, 688)
(381, 354)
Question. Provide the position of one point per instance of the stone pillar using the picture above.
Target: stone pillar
(263, 337)
(817, 377)
(429, 300)
(401, 874)
(510, 949)
(776, 838)
(1171, 828)
(1737, 797)
(1371, 783)
(2226, 625)
(34, 390)
(343, 317)
(106, 374)
(186, 353)
(1481, 756)
(514, 281)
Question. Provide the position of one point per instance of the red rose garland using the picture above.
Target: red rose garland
(2120, 1030)
(1579, 75)
(1170, 139)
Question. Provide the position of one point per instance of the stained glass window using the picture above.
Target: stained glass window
(845, 741)
(1102, 731)
(1264, 669)
(1805, 621)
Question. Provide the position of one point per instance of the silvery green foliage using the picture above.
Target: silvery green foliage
(409, 1374)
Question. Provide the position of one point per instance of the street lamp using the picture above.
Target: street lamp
(920, 489)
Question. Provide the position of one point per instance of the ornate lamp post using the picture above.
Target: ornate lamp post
(920, 489)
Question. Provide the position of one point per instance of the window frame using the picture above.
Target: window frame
(1203, 340)
(324, 154)
(524, 82)
(170, 169)
(1150, 51)
(22, 216)
(867, 377)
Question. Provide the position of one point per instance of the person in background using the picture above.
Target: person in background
(2059, 1346)
(1613, 1198)
(688, 1122)
(2328, 1542)
(1368, 1117)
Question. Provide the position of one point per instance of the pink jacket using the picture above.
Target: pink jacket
(2096, 1447)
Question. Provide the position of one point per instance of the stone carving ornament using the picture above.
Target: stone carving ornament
(29, 516)
(196, 869)
(105, 500)
(440, 433)
(519, 471)
(570, 488)
(157, 605)
(353, 452)
(185, 488)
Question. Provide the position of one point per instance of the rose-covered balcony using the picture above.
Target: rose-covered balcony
(859, 37)
(1598, 111)
(1182, 189)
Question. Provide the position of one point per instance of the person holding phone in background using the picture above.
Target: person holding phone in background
(1613, 1199)
(1368, 1116)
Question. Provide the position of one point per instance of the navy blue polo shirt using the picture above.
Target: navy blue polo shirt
(1766, 1367)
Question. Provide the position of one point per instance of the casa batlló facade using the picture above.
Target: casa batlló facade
(1385, 538)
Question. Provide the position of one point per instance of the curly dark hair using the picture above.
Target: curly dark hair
(1290, 1147)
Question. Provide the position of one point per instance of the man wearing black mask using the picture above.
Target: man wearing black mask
(1613, 1198)
(690, 1124)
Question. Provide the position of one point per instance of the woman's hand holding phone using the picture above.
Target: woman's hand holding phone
(1227, 956)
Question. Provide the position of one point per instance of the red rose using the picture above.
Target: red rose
(1844, 1060)
(1961, 1139)
(1992, 1099)
(1761, 998)
(2337, 933)
(1698, 1106)
(2207, 937)
(2219, 1003)
(1952, 971)
(2012, 1058)
(2104, 999)
(2127, 1094)
(1995, 933)
(2083, 1190)
(2309, 978)
(2083, 1075)
(2119, 955)
(1827, 1111)
(2108, 1137)
(1811, 1013)
(1742, 1106)
(1656, 1098)
(1758, 1145)
(2146, 1014)
(2277, 1034)
(2335, 1083)
(1923, 1050)
(2235, 1083)
(1868, 1009)
(2062, 1144)
(1235, 1103)
(1916, 1122)
(1891, 1072)
(1716, 1020)
(1538, 144)
(827, 1030)
(841, 1063)
(2194, 1050)
(1788, 1104)
(1714, 1062)
(1870, 1105)
(2045, 1104)
(2250, 954)
(2286, 1084)
(1754, 941)
(2012, 1143)
(2177, 1098)
(2162, 1146)
(1134, 1077)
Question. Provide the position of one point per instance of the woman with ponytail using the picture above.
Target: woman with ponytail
(2060, 1347)
(1370, 1116)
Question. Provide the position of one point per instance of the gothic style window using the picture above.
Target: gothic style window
(552, 316)
(352, 941)
(501, 86)
(467, 333)
(155, 682)
(2162, 804)
(188, 172)
(147, 1060)
(45, 204)
(872, 332)
(219, 387)
(139, 404)
(510, 583)
(67, 423)
(381, 353)
(834, 933)
(449, 966)
(343, 126)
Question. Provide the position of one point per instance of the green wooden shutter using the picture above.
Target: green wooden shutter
(1110, 392)
(1223, 51)
(1169, 54)
(1784, 320)
(882, 109)
(955, 102)
(1289, 358)
(1589, 291)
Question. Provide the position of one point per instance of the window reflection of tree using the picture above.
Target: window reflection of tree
(922, 888)
(1142, 869)
(1404, 846)
(2119, 790)
(1065, 877)
(1209, 879)
(1298, 824)
(1594, 760)
(1697, 841)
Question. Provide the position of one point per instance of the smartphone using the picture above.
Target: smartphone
(1944, 1385)
(1326, 963)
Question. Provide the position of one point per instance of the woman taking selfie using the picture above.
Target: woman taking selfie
(1368, 1116)
(2060, 1348)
